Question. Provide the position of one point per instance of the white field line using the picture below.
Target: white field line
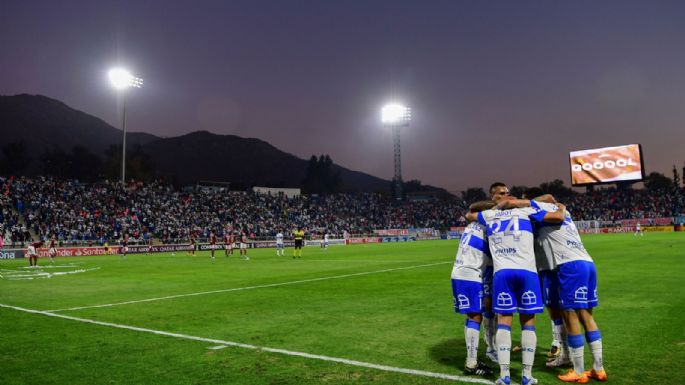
(346, 361)
(247, 287)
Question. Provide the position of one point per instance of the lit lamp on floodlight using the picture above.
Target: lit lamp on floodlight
(121, 80)
(395, 116)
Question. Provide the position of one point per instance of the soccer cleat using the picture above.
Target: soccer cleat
(481, 369)
(492, 355)
(572, 376)
(503, 381)
(558, 361)
(599, 375)
(516, 348)
(528, 381)
(553, 352)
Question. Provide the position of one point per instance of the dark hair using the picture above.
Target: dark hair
(495, 185)
(533, 192)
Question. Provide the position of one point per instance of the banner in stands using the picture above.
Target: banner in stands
(453, 235)
(647, 222)
(606, 165)
(667, 229)
(270, 244)
(398, 239)
(139, 249)
(392, 232)
(79, 251)
(317, 242)
(353, 241)
(11, 253)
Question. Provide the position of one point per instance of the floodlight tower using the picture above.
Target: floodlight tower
(121, 79)
(395, 116)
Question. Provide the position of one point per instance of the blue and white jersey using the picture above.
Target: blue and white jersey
(473, 254)
(279, 238)
(510, 236)
(561, 240)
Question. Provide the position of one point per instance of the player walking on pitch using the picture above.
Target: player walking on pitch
(52, 251)
(279, 243)
(212, 244)
(243, 246)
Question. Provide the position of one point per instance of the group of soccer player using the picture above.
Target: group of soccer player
(514, 256)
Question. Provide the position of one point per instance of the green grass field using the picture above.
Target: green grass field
(387, 304)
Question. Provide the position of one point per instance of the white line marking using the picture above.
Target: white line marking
(247, 287)
(217, 347)
(346, 361)
(22, 275)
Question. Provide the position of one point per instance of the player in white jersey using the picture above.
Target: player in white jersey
(515, 282)
(638, 230)
(549, 284)
(467, 290)
(578, 291)
(325, 241)
(577, 285)
(279, 243)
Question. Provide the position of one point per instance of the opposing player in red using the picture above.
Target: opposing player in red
(227, 242)
(33, 253)
(212, 243)
(193, 243)
(52, 251)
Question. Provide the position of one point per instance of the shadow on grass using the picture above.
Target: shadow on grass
(452, 353)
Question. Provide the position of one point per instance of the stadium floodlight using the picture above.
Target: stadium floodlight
(121, 79)
(396, 115)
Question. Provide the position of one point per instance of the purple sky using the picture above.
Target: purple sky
(499, 90)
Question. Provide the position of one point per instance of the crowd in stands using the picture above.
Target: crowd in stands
(102, 212)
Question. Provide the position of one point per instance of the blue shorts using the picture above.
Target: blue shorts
(516, 291)
(549, 286)
(468, 296)
(578, 285)
(487, 281)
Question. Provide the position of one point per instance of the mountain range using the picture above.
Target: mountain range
(44, 123)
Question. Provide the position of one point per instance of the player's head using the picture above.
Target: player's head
(532, 193)
(498, 190)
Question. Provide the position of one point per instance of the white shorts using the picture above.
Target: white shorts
(53, 251)
(279, 245)
(32, 251)
(243, 245)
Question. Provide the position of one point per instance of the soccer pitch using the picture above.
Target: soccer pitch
(352, 314)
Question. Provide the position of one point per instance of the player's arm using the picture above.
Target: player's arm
(547, 198)
(476, 208)
(555, 216)
(513, 203)
(481, 206)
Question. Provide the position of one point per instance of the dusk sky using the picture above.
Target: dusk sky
(499, 90)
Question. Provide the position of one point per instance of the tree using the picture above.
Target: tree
(139, 165)
(656, 181)
(55, 162)
(676, 178)
(15, 157)
(473, 194)
(556, 188)
(320, 178)
(83, 164)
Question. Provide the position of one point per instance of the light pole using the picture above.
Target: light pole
(121, 79)
(396, 116)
